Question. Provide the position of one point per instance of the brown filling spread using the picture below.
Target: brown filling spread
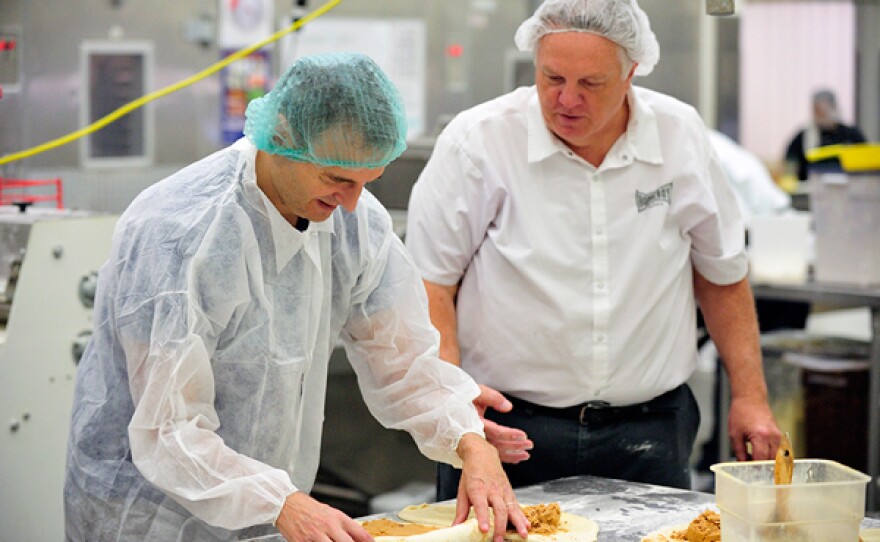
(544, 518)
(387, 527)
(705, 528)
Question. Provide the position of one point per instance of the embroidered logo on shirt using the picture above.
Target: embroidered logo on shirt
(660, 196)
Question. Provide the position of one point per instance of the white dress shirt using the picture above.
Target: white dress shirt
(576, 282)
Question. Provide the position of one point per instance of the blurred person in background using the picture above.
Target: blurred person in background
(753, 185)
(825, 129)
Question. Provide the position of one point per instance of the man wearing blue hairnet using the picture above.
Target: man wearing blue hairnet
(199, 400)
(566, 233)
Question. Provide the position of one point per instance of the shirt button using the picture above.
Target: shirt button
(625, 157)
(600, 232)
(600, 338)
(600, 285)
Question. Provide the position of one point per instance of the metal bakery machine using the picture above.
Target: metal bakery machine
(49, 260)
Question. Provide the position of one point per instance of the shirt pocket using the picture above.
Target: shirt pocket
(670, 235)
(657, 227)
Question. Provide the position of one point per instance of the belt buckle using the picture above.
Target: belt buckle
(591, 406)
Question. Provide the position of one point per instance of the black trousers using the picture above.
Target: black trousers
(650, 442)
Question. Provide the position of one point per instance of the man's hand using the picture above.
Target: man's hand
(512, 444)
(729, 312)
(484, 485)
(751, 420)
(303, 519)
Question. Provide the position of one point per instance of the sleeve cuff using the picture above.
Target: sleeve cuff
(722, 271)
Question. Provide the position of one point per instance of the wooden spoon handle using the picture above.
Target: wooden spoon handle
(783, 470)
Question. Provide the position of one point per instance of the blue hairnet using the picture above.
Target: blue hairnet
(621, 21)
(336, 109)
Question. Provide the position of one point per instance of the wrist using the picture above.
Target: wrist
(469, 444)
(751, 395)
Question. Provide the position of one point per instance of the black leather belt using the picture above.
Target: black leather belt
(596, 412)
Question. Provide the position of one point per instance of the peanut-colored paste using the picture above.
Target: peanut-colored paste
(705, 528)
(544, 518)
(387, 527)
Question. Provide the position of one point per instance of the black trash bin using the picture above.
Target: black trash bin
(834, 388)
(837, 415)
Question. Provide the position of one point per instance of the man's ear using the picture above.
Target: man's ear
(282, 135)
(632, 72)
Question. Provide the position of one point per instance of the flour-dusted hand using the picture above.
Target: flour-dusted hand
(303, 519)
(484, 485)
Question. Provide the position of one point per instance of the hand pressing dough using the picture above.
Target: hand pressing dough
(572, 528)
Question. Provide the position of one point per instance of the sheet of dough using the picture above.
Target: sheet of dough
(663, 534)
(572, 528)
(870, 535)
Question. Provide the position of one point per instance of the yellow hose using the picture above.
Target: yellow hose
(140, 102)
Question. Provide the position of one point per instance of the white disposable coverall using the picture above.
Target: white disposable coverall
(199, 400)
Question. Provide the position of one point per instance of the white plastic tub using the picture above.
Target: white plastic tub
(825, 502)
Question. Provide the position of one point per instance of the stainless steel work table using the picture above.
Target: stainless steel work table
(844, 296)
(625, 511)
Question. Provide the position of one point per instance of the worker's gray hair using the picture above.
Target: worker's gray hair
(825, 95)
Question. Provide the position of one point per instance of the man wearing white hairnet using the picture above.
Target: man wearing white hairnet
(566, 233)
(199, 400)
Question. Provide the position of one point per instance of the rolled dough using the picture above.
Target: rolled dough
(572, 528)
(469, 531)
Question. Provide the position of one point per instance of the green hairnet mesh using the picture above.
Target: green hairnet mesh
(336, 109)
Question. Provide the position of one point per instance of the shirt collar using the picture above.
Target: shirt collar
(542, 142)
(641, 139)
(642, 133)
(287, 239)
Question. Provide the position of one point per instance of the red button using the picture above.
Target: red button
(455, 50)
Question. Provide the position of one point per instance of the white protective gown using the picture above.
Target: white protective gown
(199, 400)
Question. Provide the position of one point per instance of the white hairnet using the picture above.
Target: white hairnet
(621, 21)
